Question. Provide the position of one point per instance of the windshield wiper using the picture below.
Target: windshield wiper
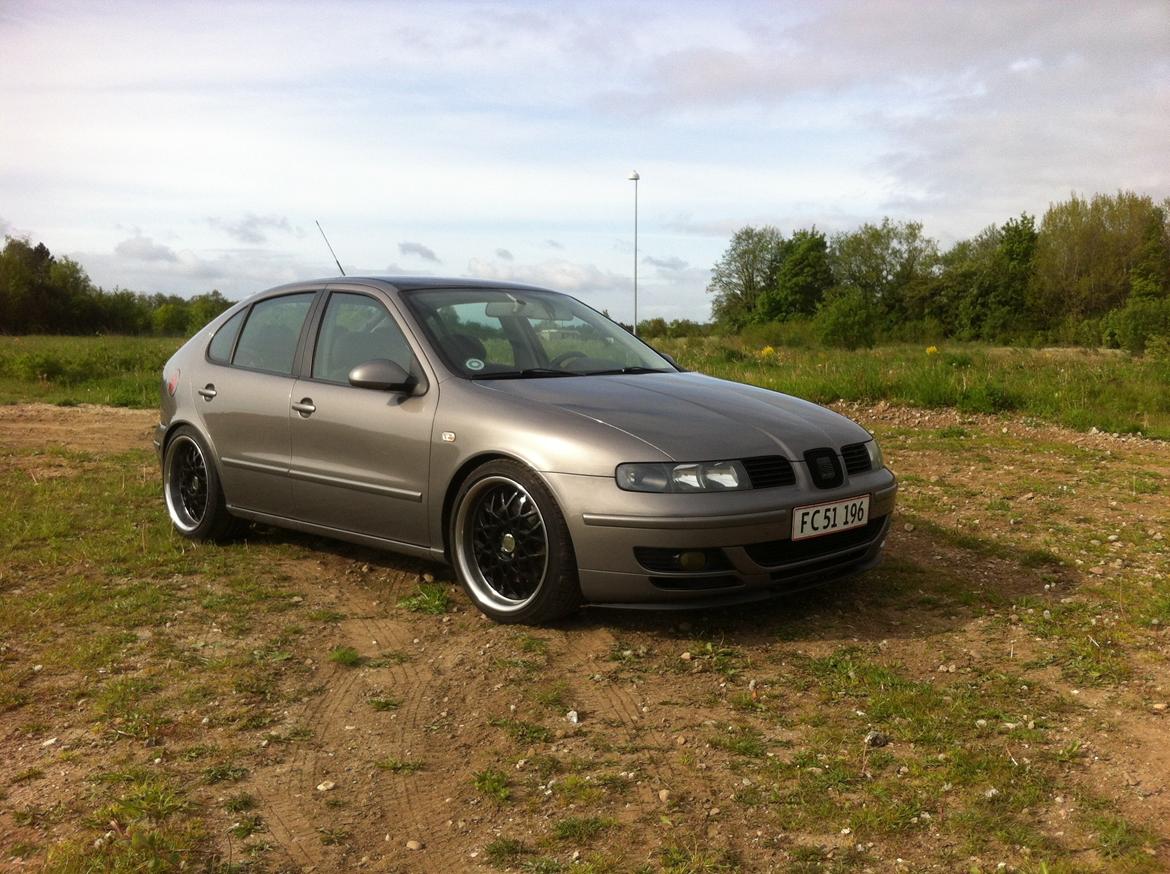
(526, 373)
(625, 370)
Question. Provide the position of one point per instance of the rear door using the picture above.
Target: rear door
(245, 403)
(361, 457)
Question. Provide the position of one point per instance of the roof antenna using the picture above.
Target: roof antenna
(331, 252)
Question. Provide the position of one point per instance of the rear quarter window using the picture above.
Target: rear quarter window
(220, 349)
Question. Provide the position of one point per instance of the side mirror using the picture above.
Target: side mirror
(670, 358)
(382, 374)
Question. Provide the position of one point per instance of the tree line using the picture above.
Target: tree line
(44, 294)
(1094, 271)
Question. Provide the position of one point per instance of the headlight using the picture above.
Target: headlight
(875, 455)
(706, 476)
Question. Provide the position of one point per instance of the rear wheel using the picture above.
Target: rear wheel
(511, 547)
(192, 490)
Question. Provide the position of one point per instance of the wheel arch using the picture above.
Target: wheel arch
(460, 476)
(174, 426)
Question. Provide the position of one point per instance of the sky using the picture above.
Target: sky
(179, 147)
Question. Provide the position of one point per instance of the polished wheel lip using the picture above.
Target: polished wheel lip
(467, 516)
(183, 485)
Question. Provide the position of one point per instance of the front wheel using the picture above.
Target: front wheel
(192, 490)
(511, 547)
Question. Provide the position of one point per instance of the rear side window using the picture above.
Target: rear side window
(356, 329)
(220, 349)
(269, 339)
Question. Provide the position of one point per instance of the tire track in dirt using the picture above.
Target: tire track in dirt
(616, 703)
(405, 811)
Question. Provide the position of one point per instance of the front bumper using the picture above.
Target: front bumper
(746, 533)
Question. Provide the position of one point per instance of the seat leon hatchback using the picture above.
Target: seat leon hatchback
(550, 457)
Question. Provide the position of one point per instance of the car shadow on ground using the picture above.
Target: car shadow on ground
(925, 585)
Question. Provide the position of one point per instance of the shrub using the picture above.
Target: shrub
(1139, 320)
(847, 319)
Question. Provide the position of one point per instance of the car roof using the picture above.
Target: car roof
(412, 283)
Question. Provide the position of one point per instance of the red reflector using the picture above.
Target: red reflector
(173, 382)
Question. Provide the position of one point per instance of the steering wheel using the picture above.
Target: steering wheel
(566, 357)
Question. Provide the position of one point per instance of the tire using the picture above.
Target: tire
(510, 546)
(191, 488)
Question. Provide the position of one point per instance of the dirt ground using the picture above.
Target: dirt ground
(654, 691)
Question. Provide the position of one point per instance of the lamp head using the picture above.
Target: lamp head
(634, 177)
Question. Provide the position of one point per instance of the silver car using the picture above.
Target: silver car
(549, 456)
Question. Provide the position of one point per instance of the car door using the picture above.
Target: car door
(361, 457)
(245, 403)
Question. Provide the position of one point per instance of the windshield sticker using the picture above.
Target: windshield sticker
(473, 364)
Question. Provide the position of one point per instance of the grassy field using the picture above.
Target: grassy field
(283, 702)
(1080, 389)
(117, 371)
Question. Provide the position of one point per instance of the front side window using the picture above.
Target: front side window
(357, 329)
(269, 339)
(488, 333)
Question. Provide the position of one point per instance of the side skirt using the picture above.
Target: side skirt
(412, 549)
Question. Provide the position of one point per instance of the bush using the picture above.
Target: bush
(1138, 321)
(847, 319)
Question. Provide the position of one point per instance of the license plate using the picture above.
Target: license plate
(819, 519)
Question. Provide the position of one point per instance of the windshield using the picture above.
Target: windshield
(489, 333)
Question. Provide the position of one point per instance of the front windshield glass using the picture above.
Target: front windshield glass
(489, 333)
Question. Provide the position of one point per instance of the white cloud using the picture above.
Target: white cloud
(670, 265)
(250, 227)
(418, 250)
(140, 248)
(505, 255)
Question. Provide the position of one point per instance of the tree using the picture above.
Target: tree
(891, 264)
(803, 277)
(1088, 252)
(744, 273)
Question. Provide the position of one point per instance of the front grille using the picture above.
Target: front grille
(779, 552)
(769, 471)
(856, 458)
(824, 468)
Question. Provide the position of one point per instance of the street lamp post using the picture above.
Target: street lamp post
(634, 177)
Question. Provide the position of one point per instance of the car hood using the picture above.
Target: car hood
(692, 417)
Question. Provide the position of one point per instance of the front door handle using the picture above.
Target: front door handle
(208, 392)
(305, 407)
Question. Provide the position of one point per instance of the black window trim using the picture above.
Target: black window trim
(244, 311)
(300, 344)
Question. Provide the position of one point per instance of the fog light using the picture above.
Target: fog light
(692, 561)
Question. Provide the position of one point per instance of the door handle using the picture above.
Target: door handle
(305, 407)
(208, 392)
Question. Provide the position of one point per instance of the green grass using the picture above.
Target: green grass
(119, 371)
(399, 766)
(581, 829)
(493, 784)
(346, 656)
(430, 598)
